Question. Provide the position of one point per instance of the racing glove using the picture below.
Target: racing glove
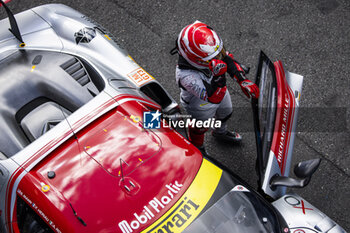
(217, 88)
(217, 67)
(249, 88)
(235, 70)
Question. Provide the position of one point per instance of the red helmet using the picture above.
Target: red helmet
(198, 43)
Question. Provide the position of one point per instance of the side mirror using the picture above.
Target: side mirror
(302, 170)
(305, 169)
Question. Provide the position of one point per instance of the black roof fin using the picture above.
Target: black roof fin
(14, 27)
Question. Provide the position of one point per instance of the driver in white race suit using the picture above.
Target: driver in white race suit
(200, 74)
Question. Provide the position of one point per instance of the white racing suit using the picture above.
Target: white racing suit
(194, 98)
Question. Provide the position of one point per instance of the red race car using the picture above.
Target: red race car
(85, 145)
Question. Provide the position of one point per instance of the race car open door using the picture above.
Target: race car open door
(275, 118)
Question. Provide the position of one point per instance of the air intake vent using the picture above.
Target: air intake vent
(75, 69)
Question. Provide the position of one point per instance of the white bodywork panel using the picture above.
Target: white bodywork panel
(302, 217)
(295, 82)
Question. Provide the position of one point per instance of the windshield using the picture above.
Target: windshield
(236, 211)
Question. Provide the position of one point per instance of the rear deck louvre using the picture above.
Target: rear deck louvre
(76, 70)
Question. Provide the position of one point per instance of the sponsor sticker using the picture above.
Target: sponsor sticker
(186, 209)
(302, 207)
(191, 203)
(153, 207)
(140, 76)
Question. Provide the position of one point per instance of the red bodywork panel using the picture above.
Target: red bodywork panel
(284, 117)
(5, 1)
(89, 177)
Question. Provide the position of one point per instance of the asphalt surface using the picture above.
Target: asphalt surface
(311, 37)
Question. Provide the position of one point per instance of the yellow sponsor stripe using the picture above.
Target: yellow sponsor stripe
(191, 203)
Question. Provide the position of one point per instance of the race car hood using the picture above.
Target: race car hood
(112, 172)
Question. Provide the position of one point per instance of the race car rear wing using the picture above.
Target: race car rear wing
(275, 119)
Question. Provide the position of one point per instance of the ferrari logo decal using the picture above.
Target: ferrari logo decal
(302, 207)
